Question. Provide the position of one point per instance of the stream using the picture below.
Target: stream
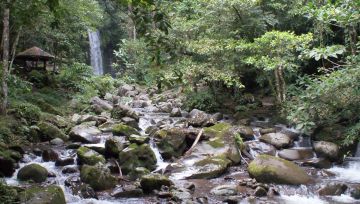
(347, 173)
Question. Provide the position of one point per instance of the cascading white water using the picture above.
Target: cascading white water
(357, 153)
(95, 52)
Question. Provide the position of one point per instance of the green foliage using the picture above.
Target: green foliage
(327, 100)
(75, 76)
(28, 111)
(202, 100)
(8, 195)
(275, 49)
(103, 84)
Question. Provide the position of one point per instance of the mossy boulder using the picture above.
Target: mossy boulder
(113, 146)
(124, 130)
(152, 182)
(139, 139)
(89, 156)
(34, 172)
(210, 167)
(8, 159)
(98, 177)
(49, 131)
(137, 156)
(43, 195)
(171, 142)
(270, 169)
(138, 173)
(222, 141)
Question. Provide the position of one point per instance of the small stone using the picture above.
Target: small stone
(57, 141)
(64, 162)
(69, 170)
(50, 155)
(224, 190)
(260, 192)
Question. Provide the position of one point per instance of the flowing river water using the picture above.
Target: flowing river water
(348, 173)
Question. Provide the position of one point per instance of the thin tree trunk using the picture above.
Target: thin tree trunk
(283, 84)
(13, 49)
(5, 62)
(277, 86)
(131, 24)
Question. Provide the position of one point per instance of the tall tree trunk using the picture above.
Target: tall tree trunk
(13, 49)
(5, 62)
(131, 23)
(277, 86)
(283, 84)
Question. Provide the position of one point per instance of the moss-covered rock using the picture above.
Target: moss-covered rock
(171, 142)
(152, 182)
(49, 131)
(210, 167)
(137, 156)
(34, 172)
(124, 130)
(98, 177)
(8, 159)
(139, 139)
(89, 156)
(138, 173)
(113, 146)
(270, 169)
(43, 195)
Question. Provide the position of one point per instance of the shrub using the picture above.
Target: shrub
(28, 111)
(75, 76)
(328, 100)
(202, 100)
(103, 84)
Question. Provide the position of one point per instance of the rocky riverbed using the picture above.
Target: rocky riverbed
(137, 146)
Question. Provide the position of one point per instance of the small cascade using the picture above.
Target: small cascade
(95, 52)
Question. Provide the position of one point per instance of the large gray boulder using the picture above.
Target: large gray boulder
(279, 140)
(124, 89)
(85, 133)
(100, 105)
(260, 147)
(296, 154)
(199, 118)
(270, 169)
(121, 111)
(327, 149)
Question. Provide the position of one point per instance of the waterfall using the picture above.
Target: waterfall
(95, 52)
(357, 154)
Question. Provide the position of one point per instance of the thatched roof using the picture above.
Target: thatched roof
(34, 53)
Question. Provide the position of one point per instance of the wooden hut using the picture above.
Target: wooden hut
(34, 58)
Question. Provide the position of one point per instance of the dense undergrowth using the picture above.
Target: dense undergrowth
(44, 95)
